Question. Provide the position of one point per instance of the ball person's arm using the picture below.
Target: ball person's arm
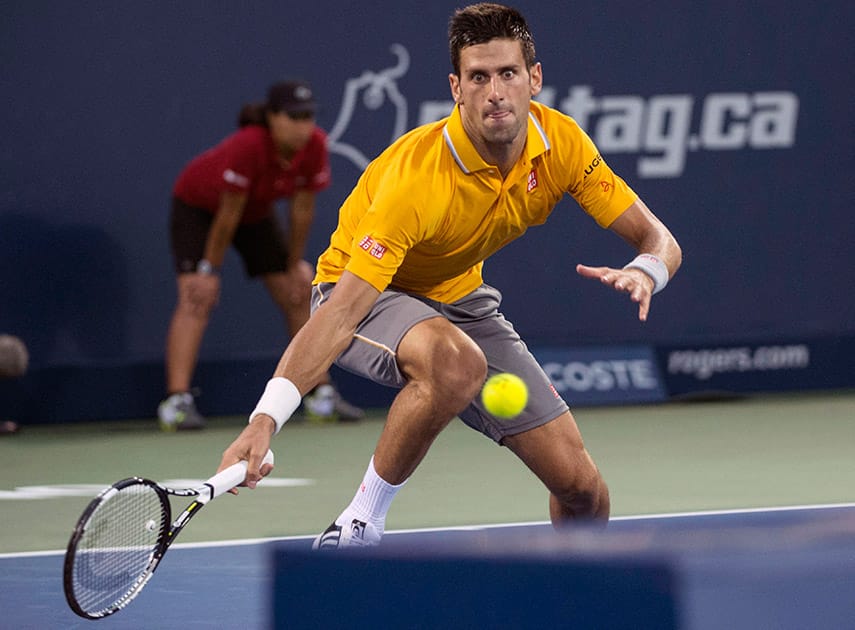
(223, 227)
(300, 216)
(203, 287)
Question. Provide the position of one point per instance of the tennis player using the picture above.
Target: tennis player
(399, 296)
(225, 196)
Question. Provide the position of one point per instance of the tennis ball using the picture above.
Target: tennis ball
(504, 395)
(151, 525)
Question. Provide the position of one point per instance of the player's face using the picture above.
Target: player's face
(494, 90)
(290, 133)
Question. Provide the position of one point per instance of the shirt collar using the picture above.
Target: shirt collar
(467, 157)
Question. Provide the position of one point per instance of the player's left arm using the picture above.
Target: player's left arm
(659, 257)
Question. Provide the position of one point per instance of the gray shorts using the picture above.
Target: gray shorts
(372, 352)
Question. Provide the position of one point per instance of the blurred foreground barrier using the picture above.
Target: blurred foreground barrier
(782, 569)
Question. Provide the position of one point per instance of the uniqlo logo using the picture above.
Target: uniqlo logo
(532, 180)
(372, 247)
(377, 250)
(366, 242)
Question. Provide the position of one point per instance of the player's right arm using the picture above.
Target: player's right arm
(306, 359)
(327, 333)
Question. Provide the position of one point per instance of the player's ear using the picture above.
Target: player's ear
(536, 79)
(454, 84)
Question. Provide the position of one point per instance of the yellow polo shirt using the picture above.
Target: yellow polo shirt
(428, 211)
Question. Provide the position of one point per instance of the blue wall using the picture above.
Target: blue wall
(734, 123)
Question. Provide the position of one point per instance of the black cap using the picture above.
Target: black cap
(291, 97)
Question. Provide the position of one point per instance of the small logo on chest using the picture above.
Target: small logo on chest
(532, 180)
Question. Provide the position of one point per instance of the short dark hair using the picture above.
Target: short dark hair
(480, 23)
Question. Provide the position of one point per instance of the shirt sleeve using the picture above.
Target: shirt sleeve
(595, 187)
(384, 235)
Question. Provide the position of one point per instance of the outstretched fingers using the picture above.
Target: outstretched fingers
(634, 282)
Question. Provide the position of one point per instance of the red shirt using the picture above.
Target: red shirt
(248, 161)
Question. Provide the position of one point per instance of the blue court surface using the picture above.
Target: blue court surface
(771, 568)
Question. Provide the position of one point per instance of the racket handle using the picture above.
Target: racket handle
(232, 476)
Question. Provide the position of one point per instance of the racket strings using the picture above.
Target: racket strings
(116, 547)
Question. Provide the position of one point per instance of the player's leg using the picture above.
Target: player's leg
(404, 343)
(556, 453)
(444, 369)
(544, 435)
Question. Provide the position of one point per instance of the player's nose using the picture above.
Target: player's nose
(495, 90)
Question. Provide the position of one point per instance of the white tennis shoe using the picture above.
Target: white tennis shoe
(354, 534)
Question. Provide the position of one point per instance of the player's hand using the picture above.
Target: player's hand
(251, 446)
(633, 281)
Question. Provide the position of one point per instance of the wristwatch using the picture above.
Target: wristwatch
(205, 267)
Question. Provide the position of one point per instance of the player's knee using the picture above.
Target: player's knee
(461, 368)
(585, 496)
(469, 373)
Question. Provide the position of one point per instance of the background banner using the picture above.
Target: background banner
(732, 120)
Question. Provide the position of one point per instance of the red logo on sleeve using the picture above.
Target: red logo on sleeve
(606, 186)
(372, 247)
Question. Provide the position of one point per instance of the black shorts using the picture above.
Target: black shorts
(261, 245)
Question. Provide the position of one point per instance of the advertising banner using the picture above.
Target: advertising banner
(739, 368)
(603, 375)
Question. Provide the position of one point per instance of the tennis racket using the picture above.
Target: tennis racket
(123, 534)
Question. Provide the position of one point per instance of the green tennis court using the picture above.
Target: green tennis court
(765, 451)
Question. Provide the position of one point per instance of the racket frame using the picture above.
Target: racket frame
(215, 486)
(169, 530)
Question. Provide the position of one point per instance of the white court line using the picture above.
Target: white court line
(457, 528)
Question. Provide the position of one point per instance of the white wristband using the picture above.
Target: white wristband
(653, 267)
(279, 400)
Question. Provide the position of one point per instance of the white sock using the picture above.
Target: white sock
(371, 501)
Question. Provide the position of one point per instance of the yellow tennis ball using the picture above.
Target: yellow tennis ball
(504, 395)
